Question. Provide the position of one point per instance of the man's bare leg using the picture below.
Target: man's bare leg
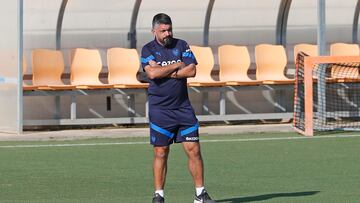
(195, 162)
(160, 166)
(196, 168)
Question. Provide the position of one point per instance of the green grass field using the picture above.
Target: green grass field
(238, 168)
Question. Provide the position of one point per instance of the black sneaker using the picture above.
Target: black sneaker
(203, 198)
(158, 199)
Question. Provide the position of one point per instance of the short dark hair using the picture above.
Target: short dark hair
(161, 18)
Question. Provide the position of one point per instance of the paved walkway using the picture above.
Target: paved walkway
(136, 132)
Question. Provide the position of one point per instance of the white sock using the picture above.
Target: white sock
(160, 192)
(199, 190)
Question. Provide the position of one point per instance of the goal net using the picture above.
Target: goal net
(327, 94)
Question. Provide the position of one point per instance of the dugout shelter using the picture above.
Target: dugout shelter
(65, 25)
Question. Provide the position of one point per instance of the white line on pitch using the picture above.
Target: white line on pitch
(203, 141)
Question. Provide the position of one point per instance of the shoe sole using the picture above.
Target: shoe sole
(196, 201)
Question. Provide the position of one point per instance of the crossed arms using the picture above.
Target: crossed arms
(175, 70)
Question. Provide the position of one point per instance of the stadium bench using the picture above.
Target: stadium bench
(123, 64)
(203, 82)
(86, 64)
(271, 61)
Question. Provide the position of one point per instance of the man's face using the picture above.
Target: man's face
(163, 33)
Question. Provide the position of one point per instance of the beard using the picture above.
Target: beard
(168, 41)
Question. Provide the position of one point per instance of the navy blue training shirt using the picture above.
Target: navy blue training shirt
(167, 93)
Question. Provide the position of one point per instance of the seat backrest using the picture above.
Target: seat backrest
(270, 62)
(205, 58)
(343, 49)
(345, 71)
(85, 67)
(47, 67)
(24, 65)
(309, 49)
(123, 65)
(234, 62)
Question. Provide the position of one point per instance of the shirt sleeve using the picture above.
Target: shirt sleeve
(188, 56)
(146, 56)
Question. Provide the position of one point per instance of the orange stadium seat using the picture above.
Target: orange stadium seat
(85, 68)
(123, 65)
(343, 49)
(309, 49)
(234, 62)
(26, 86)
(205, 59)
(47, 68)
(271, 62)
(24, 65)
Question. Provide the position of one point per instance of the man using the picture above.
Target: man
(167, 62)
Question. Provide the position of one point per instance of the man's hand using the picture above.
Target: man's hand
(182, 65)
(174, 74)
(185, 72)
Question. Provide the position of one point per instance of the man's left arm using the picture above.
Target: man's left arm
(188, 57)
(185, 72)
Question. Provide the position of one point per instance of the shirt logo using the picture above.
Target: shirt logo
(175, 52)
(153, 139)
(192, 138)
(165, 63)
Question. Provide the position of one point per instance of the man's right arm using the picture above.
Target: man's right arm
(155, 71)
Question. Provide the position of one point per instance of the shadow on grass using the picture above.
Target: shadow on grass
(267, 197)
